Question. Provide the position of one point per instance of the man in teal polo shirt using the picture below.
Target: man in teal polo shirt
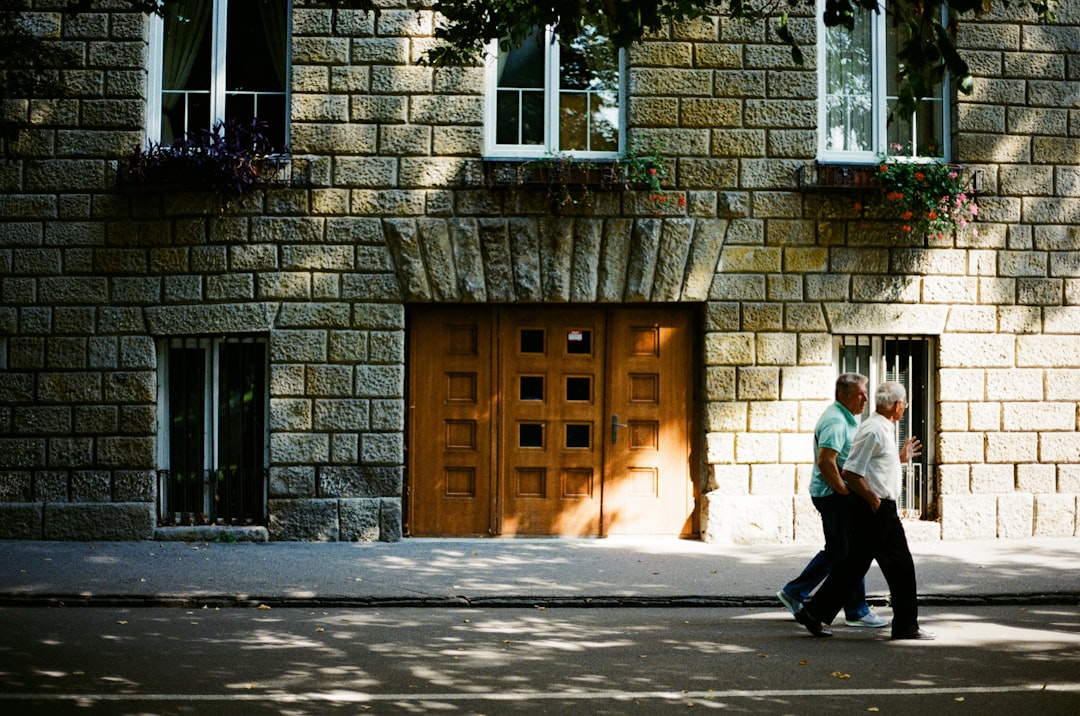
(832, 440)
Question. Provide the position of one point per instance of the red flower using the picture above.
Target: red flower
(682, 199)
(858, 206)
(920, 176)
(906, 215)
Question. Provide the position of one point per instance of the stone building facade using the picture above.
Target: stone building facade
(387, 205)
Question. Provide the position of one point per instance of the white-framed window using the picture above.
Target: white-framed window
(215, 60)
(858, 89)
(908, 360)
(546, 97)
(213, 434)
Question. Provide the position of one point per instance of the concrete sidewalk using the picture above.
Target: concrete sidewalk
(504, 572)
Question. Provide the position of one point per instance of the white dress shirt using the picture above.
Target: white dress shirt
(875, 456)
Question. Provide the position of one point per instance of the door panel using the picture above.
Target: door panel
(647, 480)
(540, 421)
(451, 405)
(550, 363)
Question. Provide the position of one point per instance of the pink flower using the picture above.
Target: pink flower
(974, 210)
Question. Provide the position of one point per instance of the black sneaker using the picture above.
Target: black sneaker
(812, 625)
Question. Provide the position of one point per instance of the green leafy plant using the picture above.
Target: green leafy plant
(930, 198)
(233, 158)
(638, 168)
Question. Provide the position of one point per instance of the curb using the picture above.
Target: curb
(224, 601)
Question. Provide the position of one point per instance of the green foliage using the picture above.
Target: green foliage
(643, 168)
(27, 64)
(932, 199)
(926, 56)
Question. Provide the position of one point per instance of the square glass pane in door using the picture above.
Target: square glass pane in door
(579, 389)
(531, 387)
(531, 340)
(577, 436)
(578, 342)
(531, 435)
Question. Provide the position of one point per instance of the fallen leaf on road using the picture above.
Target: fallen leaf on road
(841, 675)
(263, 606)
(804, 662)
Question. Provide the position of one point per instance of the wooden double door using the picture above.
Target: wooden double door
(550, 421)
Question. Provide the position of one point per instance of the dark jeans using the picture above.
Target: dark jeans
(874, 537)
(835, 510)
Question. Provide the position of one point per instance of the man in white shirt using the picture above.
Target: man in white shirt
(873, 473)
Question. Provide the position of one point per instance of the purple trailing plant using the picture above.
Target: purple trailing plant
(233, 158)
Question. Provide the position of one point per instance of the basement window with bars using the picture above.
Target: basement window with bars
(213, 441)
(908, 361)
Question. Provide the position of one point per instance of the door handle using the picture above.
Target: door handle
(615, 425)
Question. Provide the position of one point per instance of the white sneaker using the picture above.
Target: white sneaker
(792, 605)
(871, 620)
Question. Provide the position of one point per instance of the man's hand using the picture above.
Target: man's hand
(912, 448)
(857, 484)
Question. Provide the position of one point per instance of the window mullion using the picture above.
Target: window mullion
(217, 70)
(551, 91)
(880, 86)
(154, 80)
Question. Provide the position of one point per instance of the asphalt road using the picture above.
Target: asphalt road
(291, 662)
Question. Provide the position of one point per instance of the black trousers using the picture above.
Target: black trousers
(874, 537)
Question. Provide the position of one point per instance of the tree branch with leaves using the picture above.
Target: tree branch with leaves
(29, 64)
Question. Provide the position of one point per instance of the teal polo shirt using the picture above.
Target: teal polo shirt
(834, 430)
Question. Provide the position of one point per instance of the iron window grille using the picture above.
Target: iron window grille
(908, 361)
(213, 447)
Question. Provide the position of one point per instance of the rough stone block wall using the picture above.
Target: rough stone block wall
(387, 202)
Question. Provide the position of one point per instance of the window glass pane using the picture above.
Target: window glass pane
(520, 98)
(185, 70)
(256, 63)
(920, 135)
(531, 435)
(532, 340)
(241, 389)
(849, 86)
(589, 94)
(579, 342)
(531, 387)
(579, 389)
(240, 406)
(186, 430)
(187, 375)
(577, 436)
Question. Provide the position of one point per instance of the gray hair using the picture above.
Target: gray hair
(888, 393)
(847, 382)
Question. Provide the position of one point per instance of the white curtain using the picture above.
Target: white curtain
(849, 86)
(185, 24)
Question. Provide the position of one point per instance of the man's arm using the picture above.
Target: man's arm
(857, 484)
(826, 462)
